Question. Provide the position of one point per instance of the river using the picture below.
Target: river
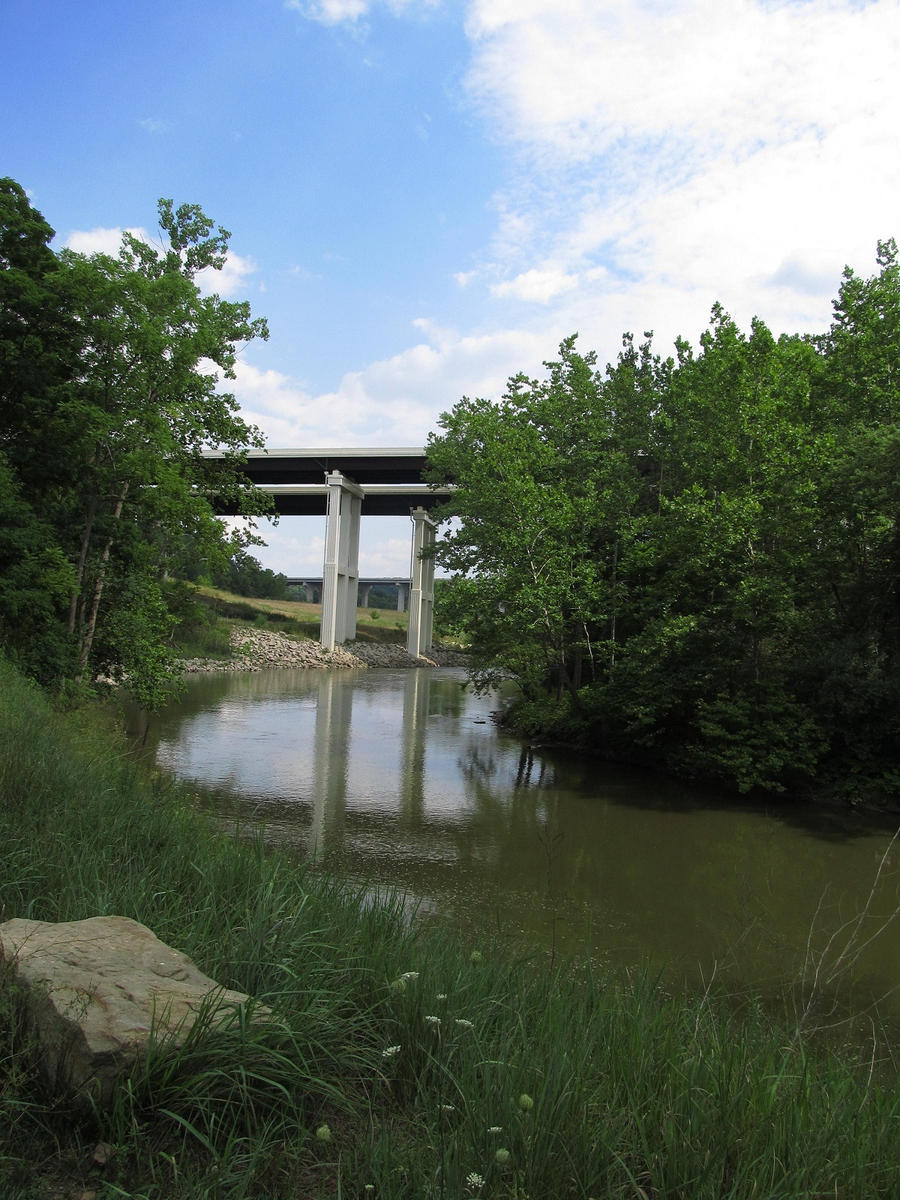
(399, 778)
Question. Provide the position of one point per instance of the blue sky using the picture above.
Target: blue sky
(426, 196)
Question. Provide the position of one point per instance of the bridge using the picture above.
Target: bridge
(338, 483)
(312, 585)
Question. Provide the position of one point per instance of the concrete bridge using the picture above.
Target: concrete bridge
(339, 483)
(313, 588)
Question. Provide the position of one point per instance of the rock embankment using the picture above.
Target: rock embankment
(262, 650)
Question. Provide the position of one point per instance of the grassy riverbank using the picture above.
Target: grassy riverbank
(294, 617)
(441, 1068)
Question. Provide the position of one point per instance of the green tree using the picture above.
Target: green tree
(696, 563)
(119, 434)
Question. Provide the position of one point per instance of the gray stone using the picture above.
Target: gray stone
(95, 989)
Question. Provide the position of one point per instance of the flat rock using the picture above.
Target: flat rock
(95, 989)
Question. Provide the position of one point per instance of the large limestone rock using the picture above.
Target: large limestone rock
(93, 991)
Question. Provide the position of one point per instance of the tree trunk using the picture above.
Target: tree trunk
(82, 559)
(88, 638)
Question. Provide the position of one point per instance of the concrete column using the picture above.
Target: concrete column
(364, 589)
(334, 706)
(421, 585)
(402, 596)
(340, 576)
(416, 691)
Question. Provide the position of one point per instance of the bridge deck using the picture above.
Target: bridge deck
(390, 478)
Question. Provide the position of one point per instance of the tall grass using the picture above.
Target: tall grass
(398, 1061)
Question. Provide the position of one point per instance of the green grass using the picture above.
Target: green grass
(539, 1080)
(299, 619)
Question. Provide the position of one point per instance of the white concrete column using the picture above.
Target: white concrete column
(341, 572)
(402, 595)
(421, 585)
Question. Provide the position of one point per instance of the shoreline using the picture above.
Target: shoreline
(263, 649)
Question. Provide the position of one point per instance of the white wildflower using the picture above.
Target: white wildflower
(474, 1180)
(495, 1128)
(433, 1020)
(463, 1023)
(410, 976)
(390, 1052)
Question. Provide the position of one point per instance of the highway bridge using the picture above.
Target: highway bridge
(341, 484)
(312, 585)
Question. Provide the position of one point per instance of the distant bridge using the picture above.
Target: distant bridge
(338, 483)
(314, 585)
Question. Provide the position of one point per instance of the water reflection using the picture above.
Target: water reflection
(400, 778)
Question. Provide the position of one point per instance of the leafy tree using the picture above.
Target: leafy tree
(696, 563)
(118, 433)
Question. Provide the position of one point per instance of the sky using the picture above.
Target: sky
(426, 196)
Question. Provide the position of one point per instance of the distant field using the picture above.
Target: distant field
(386, 625)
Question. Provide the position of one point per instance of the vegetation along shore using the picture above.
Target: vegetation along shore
(402, 1061)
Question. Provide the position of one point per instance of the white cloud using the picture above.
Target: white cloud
(102, 241)
(153, 125)
(394, 401)
(336, 12)
(674, 153)
(575, 77)
(537, 285)
(230, 279)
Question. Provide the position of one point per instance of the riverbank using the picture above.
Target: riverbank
(263, 649)
(403, 1061)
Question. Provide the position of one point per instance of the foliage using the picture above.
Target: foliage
(110, 392)
(243, 575)
(424, 1056)
(695, 562)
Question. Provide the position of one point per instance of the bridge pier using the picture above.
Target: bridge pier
(340, 576)
(421, 589)
(341, 589)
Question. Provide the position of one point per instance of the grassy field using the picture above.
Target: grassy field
(401, 1062)
(302, 619)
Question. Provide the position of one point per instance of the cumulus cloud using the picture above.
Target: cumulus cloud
(539, 285)
(231, 279)
(336, 12)
(394, 401)
(681, 152)
(101, 240)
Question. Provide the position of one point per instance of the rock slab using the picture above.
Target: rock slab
(95, 989)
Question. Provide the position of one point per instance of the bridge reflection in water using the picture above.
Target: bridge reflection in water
(399, 778)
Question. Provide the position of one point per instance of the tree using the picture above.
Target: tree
(695, 563)
(119, 434)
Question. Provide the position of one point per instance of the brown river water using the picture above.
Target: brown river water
(400, 779)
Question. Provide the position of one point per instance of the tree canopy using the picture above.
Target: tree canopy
(695, 561)
(109, 391)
